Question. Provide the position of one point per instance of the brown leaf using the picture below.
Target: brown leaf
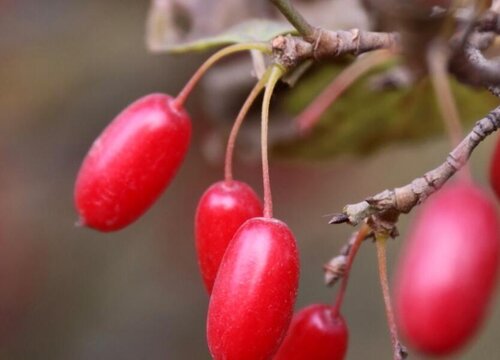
(174, 22)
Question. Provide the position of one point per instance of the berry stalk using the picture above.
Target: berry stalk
(184, 93)
(294, 17)
(381, 243)
(437, 62)
(360, 236)
(228, 166)
(309, 117)
(275, 74)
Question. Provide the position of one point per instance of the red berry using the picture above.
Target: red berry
(254, 293)
(132, 162)
(447, 273)
(222, 209)
(315, 333)
(495, 170)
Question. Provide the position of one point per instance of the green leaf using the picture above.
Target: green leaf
(362, 121)
(255, 30)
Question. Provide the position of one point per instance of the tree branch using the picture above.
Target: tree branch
(471, 67)
(405, 198)
(289, 51)
(467, 62)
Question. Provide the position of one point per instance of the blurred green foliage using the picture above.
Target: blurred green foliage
(363, 120)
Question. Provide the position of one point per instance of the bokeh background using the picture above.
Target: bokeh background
(67, 67)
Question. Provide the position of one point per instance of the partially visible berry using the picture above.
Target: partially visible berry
(316, 332)
(222, 209)
(448, 271)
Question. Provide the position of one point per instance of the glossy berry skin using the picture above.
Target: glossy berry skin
(315, 333)
(131, 163)
(447, 273)
(254, 293)
(222, 209)
(495, 170)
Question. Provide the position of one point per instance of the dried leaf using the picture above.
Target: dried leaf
(363, 121)
(176, 27)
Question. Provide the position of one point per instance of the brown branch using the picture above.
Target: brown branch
(289, 51)
(471, 67)
(467, 62)
(405, 198)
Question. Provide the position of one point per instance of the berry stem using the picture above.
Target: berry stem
(275, 74)
(228, 166)
(184, 93)
(294, 17)
(360, 236)
(381, 243)
(308, 118)
(438, 62)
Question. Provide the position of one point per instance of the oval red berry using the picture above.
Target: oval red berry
(316, 332)
(254, 293)
(448, 271)
(222, 209)
(131, 163)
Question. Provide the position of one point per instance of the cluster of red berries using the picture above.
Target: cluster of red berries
(249, 260)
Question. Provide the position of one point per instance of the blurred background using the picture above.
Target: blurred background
(67, 67)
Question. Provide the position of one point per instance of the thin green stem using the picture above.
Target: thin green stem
(294, 17)
(276, 73)
(184, 93)
(228, 167)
